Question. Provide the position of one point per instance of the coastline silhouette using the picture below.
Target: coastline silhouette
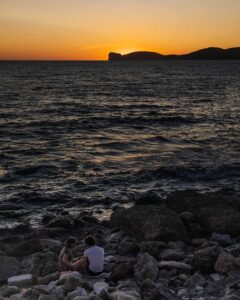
(212, 53)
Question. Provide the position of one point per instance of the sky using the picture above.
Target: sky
(90, 29)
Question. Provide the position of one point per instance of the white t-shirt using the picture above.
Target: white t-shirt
(95, 257)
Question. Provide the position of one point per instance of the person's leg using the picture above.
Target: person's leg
(81, 265)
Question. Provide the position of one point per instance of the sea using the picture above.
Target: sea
(109, 132)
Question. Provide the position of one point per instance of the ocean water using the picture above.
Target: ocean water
(110, 131)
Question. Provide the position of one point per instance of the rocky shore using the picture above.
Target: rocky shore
(184, 247)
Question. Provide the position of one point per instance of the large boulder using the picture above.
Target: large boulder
(9, 266)
(35, 245)
(146, 267)
(150, 223)
(215, 212)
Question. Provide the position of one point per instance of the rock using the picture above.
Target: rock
(146, 268)
(216, 211)
(222, 239)
(71, 284)
(174, 265)
(48, 297)
(15, 297)
(232, 279)
(78, 292)
(11, 290)
(226, 263)
(182, 293)
(98, 287)
(9, 266)
(152, 248)
(234, 250)
(30, 294)
(150, 223)
(43, 264)
(35, 245)
(195, 280)
(162, 293)
(172, 254)
(48, 278)
(187, 217)
(128, 247)
(125, 295)
(198, 242)
(216, 277)
(204, 259)
(121, 272)
(230, 297)
(21, 280)
(65, 276)
(148, 284)
(62, 221)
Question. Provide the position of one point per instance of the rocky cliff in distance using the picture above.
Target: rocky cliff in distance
(211, 53)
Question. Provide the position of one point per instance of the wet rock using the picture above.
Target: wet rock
(128, 247)
(121, 271)
(226, 263)
(204, 259)
(9, 266)
(150, 223)
(146, 268)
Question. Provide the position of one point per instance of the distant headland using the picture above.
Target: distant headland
(211, 53)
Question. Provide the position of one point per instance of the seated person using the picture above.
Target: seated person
(95, 256)
(65, 257)
(92, 260)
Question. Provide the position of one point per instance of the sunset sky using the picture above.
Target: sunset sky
(89, 29)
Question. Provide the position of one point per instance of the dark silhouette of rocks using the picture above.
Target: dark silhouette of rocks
(211, 53)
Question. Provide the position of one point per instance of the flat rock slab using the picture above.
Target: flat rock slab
(21, 280)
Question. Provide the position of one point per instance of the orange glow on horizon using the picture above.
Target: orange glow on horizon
(89, 30)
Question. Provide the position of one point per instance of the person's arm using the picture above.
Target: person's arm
(66, 260)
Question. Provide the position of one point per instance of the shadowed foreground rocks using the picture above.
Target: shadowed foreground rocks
(176, 250)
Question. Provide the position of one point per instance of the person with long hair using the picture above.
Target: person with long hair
(65, 258)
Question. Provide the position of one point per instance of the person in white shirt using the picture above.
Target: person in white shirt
(95, 256)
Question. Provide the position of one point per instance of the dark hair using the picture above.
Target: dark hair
(90, 241)
(69, 242)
